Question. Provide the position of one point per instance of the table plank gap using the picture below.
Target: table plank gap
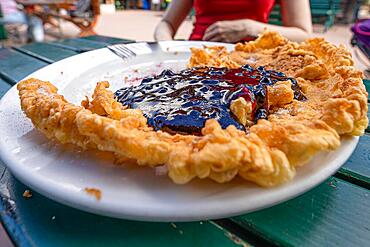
(357, 168)
(336, 213)
(31, 54)
(353, 177)
(242, 233)
(4, 76)
(4, 87)
(71, 48)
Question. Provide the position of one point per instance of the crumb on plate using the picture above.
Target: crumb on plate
(94, 192)
(27, 194)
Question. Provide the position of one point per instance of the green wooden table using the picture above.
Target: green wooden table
(335, 213)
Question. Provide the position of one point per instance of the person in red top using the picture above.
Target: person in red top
(235, 20)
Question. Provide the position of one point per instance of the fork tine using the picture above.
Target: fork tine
(118, 53)
(129, 50)
(122, 51)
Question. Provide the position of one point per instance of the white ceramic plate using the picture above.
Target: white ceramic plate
(62, 173)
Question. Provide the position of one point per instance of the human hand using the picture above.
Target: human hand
(229, 31)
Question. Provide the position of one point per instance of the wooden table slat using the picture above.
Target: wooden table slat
(14, 65)
(7, 213)
(79, 45)
(88, 43)
(4, 87)
(358, 165)
(368, 116)
(367, 85)
(46, 52)
(108, 40)
(357, 169)
(336, 213)
(47, 223)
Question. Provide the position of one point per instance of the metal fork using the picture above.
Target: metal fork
(122, 51)
(126, 51)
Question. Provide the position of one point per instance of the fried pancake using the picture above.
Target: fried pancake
(267, 153)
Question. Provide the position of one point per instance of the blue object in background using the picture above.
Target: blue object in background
(146, 4)
(361, 36)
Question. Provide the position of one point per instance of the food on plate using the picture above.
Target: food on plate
(94, 192)
(183, 101)
(27, 194)
(257, 112)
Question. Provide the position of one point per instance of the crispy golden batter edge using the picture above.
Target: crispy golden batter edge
(267, 156)
(220, 154)
(318, 63)
(337, 99)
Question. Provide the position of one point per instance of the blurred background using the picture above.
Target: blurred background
(136, 19)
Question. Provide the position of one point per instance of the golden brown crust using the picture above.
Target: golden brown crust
(242, 110)
(103, 102)
(50, 113)
(267, 154)
(280, 94)
(219, 154)
(334, 88)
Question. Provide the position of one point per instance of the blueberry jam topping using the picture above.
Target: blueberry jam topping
(182, 102)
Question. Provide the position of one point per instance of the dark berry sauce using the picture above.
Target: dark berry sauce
(182, 102)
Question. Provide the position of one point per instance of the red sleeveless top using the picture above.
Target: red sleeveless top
(208, 12)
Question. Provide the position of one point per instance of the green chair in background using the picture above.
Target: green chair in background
(3, 34)
(322, 11)
(325, 10)
(275, 15)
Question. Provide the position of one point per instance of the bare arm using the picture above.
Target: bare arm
(172, 19)
(297, 23)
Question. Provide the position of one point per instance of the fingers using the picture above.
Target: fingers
(218, 38)
(213, 31)
(212, 35)
(214, 26)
